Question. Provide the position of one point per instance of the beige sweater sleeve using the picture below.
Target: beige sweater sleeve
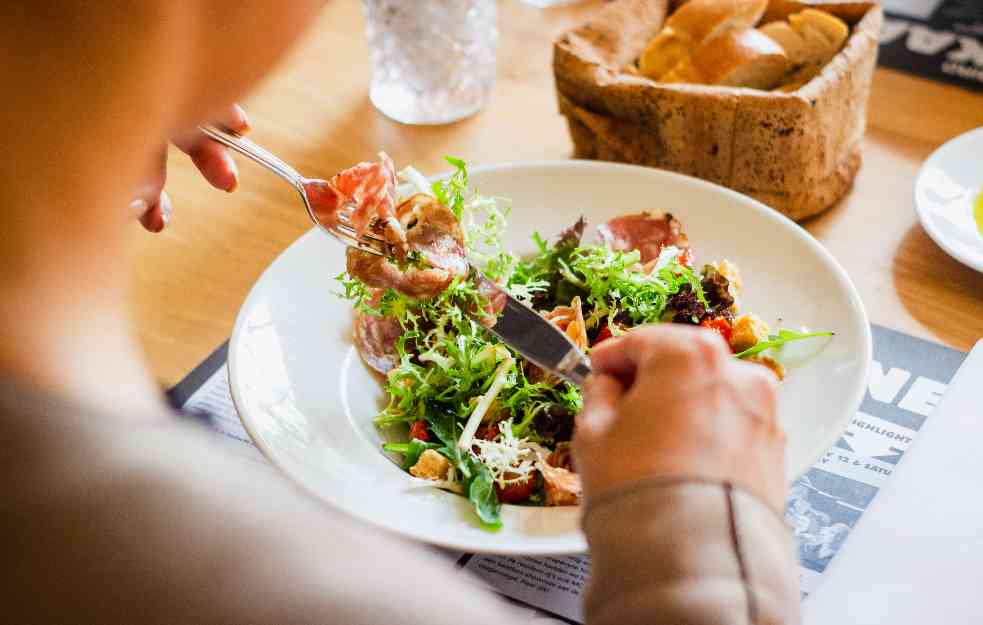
(106, 520)
(688, 552)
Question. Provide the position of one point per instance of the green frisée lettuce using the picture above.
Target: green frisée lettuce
(452, 191)
(614, 286)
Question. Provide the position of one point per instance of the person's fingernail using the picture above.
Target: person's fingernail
(235, 173)
(139, 206)
(150, 221)
(246, 127)
(165, 209)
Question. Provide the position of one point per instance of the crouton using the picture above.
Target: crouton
(431, 466)
(748, 331)
(730, 271)
(767, 361)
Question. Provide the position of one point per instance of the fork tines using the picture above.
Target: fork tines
(373, 243)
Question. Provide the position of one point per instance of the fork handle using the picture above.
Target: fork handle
(247, 148)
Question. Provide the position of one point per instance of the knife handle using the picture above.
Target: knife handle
(574, 368)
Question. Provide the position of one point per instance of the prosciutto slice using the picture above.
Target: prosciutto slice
(369, 189)
(646, 233)
(433, 232)
(435, 251)
(375, 339)
(570, 319)
(561, 485)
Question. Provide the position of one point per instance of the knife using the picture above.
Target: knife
(539, 341)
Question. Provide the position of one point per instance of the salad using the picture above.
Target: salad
(477, 419)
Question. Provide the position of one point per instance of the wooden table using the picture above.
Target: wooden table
(314, 111)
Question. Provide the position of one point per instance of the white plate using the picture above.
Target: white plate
(308, 401)
(947, 184)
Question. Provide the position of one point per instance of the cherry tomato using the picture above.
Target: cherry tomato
(516, 492)
(605, 333)
(686, 258)
(719, 325)
(487, 432)
(418, 430)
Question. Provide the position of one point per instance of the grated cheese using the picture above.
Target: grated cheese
(510, 455)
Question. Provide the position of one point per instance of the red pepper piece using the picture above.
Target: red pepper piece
(418, 430)
(720, 325)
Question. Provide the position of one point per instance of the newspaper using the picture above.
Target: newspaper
(937, 39)
(906, 380)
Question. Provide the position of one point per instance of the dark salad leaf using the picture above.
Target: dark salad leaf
(553, 422)
(685, 306)
(716, 289)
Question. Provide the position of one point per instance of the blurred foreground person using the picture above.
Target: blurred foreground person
(109, 501)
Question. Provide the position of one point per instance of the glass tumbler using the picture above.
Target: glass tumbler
(433, 61)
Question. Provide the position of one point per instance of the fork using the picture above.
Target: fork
(309, 190)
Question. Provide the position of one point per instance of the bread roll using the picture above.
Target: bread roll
(791, 41)
(739, 58)
(663, 53)
(799, 78)
(810, 38)
(691, 25)
(848, 10)
(820, 30)
(702, 20)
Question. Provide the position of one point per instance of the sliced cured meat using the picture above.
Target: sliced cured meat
(369, 189)
(561, 485)
(433, 232)
(646, 233)
(375, 340)
(562, 457)
(435, 252)
(382, 273)
(570, 319)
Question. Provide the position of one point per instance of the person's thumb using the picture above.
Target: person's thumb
(601, 396)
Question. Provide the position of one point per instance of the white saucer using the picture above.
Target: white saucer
(946, 187)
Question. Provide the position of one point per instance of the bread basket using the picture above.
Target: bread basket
(797, 152)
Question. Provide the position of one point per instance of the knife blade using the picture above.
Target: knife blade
(539, 341)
